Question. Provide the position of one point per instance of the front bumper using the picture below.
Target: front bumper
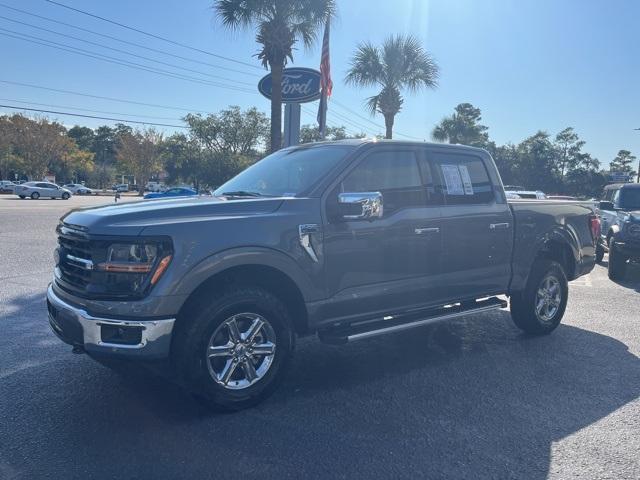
(628, 249)
(144, 339)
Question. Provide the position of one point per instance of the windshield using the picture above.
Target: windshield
(630, 198)
(286, 172)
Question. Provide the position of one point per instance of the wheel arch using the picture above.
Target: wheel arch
(272, 271)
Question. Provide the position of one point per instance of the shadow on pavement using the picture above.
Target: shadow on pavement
(471, 398)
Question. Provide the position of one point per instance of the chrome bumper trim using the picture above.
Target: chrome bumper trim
(155, 334)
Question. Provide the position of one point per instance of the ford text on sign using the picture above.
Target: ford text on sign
(299, 85)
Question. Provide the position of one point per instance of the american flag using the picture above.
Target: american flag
(326, 84)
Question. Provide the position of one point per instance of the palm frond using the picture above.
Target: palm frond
(366, 68)
(372, 104)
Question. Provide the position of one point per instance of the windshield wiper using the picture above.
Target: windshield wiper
(241, 193)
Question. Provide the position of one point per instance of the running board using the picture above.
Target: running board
(397, 323)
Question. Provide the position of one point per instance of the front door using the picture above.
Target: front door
(477, 226)
(388, 263)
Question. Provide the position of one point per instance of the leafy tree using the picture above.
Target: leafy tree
(400, 63)
(42, 146)
(311, 133)
(105, 143)
(140, 154)
(83, 136)
(231, 131)
(463, 127)
(535, 166)
(585, 182)
(569, 148)
(622, 162)
(279, 25)
(184, 160)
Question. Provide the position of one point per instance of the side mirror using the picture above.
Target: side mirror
(360, 206)
(604, 205)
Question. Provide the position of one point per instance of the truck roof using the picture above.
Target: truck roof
(356, 142)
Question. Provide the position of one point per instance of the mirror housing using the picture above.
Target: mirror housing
(605, 205)
(360, 206)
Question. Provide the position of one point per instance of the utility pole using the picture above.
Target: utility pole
(638, 173)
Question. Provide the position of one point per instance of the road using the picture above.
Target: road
(473, 398)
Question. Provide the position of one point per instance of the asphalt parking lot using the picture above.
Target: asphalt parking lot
(473, 398)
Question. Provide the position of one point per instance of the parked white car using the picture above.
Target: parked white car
(121, 187)
(7, 186)
(79, 189)
(155, 187)
(529, 194)
(36, 190)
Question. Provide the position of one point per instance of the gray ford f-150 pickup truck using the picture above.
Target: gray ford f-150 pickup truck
(345, 239)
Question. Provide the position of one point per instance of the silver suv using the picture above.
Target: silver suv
(35, 190)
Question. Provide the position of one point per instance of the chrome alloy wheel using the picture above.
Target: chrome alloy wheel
(548, 298)
(241, 351)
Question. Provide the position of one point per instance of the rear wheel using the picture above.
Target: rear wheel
(22, 197)
(65, 196)
(35, 195)
(617, 262)
(233, 350)
(539, 308)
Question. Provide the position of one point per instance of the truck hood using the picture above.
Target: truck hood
(132, 218)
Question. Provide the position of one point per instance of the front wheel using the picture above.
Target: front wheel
(233, 350)
(35, 196)
(617, 262)
(65, 196)
(539, 308)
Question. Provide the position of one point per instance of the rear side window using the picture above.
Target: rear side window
(41, 185)
(395, 174)
(462, 179)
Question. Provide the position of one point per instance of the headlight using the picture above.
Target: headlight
(130, 258)
(132, 268)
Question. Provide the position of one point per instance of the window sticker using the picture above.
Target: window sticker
(452, 179)
(466, 179)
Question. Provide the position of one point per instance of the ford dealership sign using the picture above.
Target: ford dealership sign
(299, 85)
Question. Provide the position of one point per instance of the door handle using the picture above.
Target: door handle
(422, 231)
(498, 226)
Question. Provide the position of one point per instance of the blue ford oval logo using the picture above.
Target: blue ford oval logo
(299, 85)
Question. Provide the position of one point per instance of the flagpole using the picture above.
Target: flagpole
(326, 85)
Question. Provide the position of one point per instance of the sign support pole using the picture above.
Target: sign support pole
(291, 124)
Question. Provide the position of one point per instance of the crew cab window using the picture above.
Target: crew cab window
(462, 179)
(395, 174)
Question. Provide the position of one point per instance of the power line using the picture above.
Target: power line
(124, 51)
(13, 100)
(353, 112)
(91, 116)
(152, 35)
(126, 42)
(117, 61)
(101, 97)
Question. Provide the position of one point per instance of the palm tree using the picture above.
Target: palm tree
(279, 24)
(462, 127)
(400, 63)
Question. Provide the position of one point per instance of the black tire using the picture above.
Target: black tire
(22, 197)
(599, 253)
(617, 262)
(524, 305)
(198, 327)
(35, 196)
(65, 196)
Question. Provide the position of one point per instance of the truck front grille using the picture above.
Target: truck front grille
(75, 257)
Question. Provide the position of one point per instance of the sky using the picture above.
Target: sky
(529, 65)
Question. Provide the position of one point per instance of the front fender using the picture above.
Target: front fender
(242, 256)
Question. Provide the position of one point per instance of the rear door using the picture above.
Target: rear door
(477, 225)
